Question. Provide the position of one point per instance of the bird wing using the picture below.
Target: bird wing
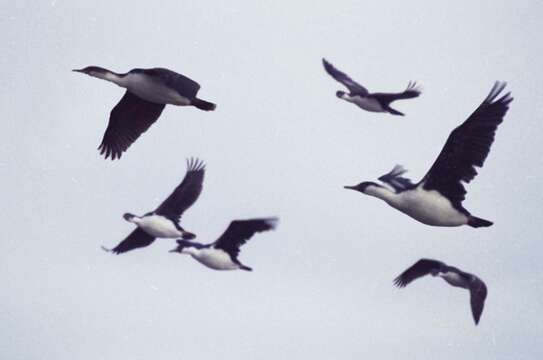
(419, 269)
(239, 231)
(353, 86)
(186, 193)
(467, 147)
(394, 178)
(130, 118)
(184, 86)
(412, 91)
(136, 239)
(478, 292)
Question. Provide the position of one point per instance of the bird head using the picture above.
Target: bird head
(340, 94)
(129, 217)
(363, 186)
(94, 71)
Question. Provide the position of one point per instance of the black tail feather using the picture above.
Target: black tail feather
(246, 268)
(203, 105)
(394, 112)
(476, 222)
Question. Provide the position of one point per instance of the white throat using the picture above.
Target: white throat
(381, 193)
(111, 77)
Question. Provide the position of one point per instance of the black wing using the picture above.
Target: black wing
(130, 118)
(412, 91)
(186, 193)
(394, 178)
(184, 86)
(478, 292)
(419, 269)
(239, 231)
(137, 239)
(353, 86)
(467, 146)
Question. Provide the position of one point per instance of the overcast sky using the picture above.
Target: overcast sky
(279, 144)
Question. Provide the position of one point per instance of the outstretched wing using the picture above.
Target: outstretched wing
(186, 193)
(239, 231)
(353, 86)
(478, 292)
(412, 91)
(394, 178)
(419, 269)
(137, 239)
(130, 118)
(467, 147)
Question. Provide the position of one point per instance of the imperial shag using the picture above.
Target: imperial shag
(223, 253)
(451, 275)
(360, 96)
(437, 199)
(164, 221)
(148, 91)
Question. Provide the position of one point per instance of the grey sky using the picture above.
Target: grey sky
(280, 143)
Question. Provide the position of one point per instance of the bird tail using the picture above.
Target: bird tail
(246, 268)
(394, 112)
(203, 105)
(188, 235)
(476, 222)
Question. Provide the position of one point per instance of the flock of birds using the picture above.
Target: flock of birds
(435, 200)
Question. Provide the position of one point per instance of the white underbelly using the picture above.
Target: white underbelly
(154, 91)
(159, 226)
(215, 259)
(368, 104)
(454, 279)
(430, 208)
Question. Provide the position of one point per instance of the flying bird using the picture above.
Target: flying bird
(360, 96)
(437, 199)
(451, 275)
(223, 253)
(164, 221)
(148, 91)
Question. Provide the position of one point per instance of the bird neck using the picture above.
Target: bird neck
(135, 220)
(347, 97)
(111, 77)
(382, 193)
(192, 250)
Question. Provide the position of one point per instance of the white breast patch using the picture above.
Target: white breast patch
(148, 88)
(159, 226)
(367, 104)
(429, 207)
(215, 259)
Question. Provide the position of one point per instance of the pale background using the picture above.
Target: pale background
(280, 143)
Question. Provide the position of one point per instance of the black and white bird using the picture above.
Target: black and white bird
(164, 221)
(451, 275)
(360, 96)
(223, 253)
(437, 199)
(148, 91)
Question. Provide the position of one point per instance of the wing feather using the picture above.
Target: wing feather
(353, 86)
(239, 231)
(467, 147)
(130, 118)
(186, 193)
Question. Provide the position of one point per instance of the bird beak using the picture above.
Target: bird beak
(78, 70)
(350, 187)
(173, 250)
